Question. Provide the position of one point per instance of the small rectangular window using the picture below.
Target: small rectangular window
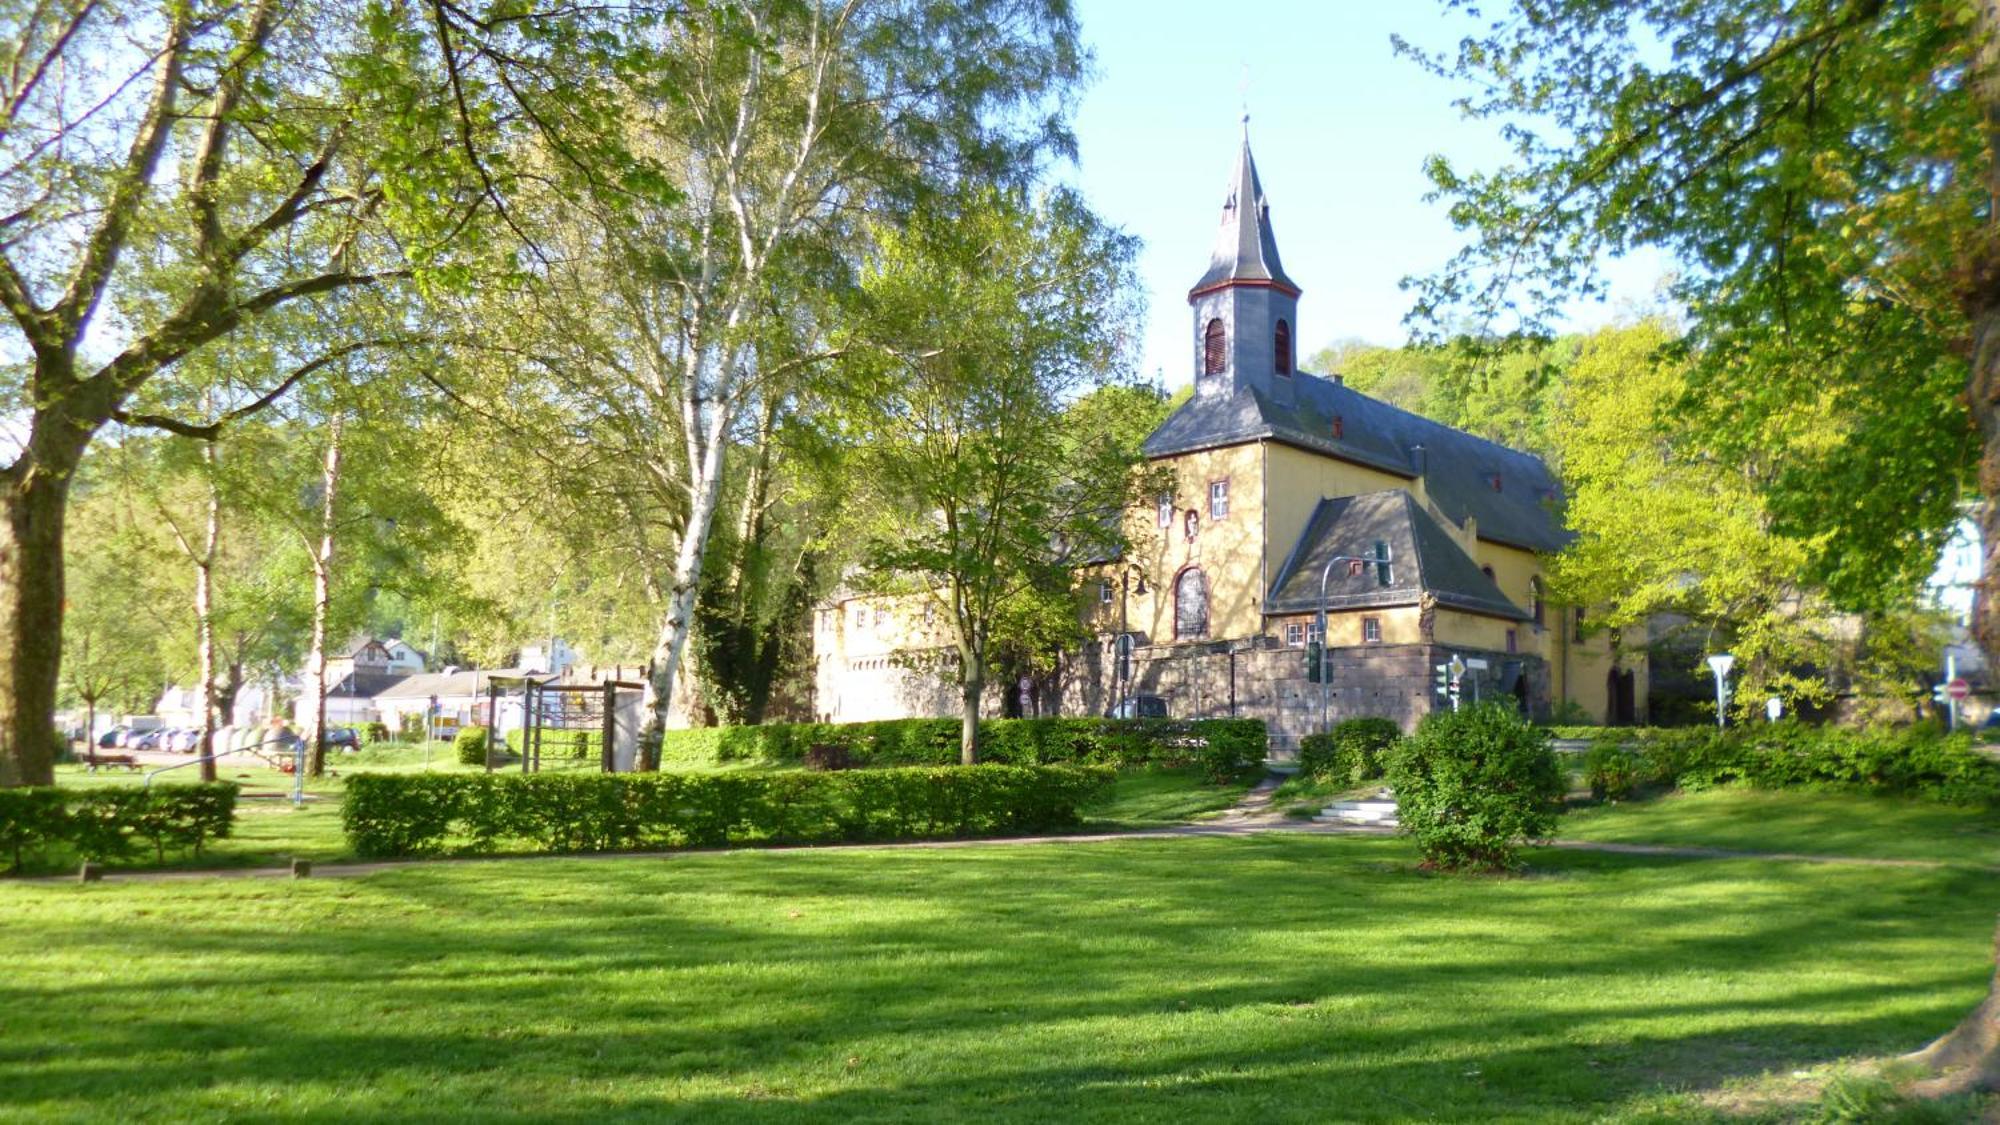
(861, 617)
(1578, 628)
(1218, 499)
(881, 618)
(1513, 641)
(1104, 593)
(1312, 633)
(1295, 634)
(1166, 514)
(1371, 630)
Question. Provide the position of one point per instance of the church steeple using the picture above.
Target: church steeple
(1245, 249)
(1245, 306)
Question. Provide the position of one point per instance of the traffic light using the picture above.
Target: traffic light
(1315, 662)
(1441, 678)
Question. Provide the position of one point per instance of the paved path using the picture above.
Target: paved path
(1253, 815)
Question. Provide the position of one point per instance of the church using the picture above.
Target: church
(1296, 499)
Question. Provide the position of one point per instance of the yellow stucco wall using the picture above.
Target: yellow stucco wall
(1297, 482)
(1228, 551)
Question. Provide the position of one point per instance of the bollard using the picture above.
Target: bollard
(301, 868)
(89, 873)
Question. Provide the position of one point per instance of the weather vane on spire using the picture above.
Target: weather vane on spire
(1243, 88)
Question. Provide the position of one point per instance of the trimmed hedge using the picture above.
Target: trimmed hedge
(1223, 746)
(470, 746)
(579, 744)
(109, 823)
(1917, 761)
(416, 814)
(1356, 749)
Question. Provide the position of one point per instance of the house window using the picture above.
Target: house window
(1578, 626)
(1295, 634)
(1312, 632)
(861, 617)
(1535, 607)
(1166, 512)
(881, 618)
(1281, 339)
(1382, 575)
(1214, 356)
(1371, 630)
(1218, 499)
(1104, 593)
(1513, 641)
(1190, 605)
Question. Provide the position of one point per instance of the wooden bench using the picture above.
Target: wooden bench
(107, 760)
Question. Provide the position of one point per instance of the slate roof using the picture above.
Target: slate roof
(453, 685)
(1423, 558)
(365, 685)
(1524, 512)
(1245, 248)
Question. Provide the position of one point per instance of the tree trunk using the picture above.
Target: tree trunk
(972, 684)
(315, 685)
(672, 643)
(32, 499)
(1968, 1056)
(204, 616)
(90, 731)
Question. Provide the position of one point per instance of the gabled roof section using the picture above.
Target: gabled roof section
(1332, 418)
(1424, 558)
(1245, 249)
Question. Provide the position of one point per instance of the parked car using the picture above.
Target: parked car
(185, 741)
(346, 738)
(109, 739)
(1139, 707)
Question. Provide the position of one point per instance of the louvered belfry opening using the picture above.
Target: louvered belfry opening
(1282, 340)
(1214, 355)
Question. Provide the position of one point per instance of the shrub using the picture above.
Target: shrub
(1355, 750)
(834, 757)
(470, 746)
(373, 733)
(408, 814)
(1473, 786)
(106, 823)
(1613, 768)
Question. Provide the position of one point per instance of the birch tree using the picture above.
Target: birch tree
(782, 125)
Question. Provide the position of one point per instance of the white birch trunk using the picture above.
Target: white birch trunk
(204, 614)
(315, 686)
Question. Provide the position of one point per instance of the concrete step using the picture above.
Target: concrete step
(1378, 811)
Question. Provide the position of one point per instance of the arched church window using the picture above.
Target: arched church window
(1190, 605)
(1282, 340)
(1214, 356)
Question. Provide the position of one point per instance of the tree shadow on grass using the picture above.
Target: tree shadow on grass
(1286, 977)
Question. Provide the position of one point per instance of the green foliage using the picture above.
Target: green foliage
(1223, 747)
(470, 746)
(106, 823)
(1913, 761)
(410, 814)
(1355, 750)
(1474, 785)
(1825, 181)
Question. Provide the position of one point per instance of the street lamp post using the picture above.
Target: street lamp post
(1720, 664)
(1325, 684)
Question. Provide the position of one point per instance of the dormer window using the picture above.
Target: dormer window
(1281, 339)
(1339, 427)
(1214, 353)
(1494, 480)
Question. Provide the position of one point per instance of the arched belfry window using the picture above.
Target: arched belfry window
(1214, 353)
(1282, 341)
(1190, 605)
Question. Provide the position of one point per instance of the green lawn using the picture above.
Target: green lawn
(1271, 978)
(1157, 797)
(1797, 821)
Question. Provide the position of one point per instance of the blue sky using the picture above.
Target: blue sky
(1340, 127)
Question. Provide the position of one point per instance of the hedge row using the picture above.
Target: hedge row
(414, 814)
(1355, 750)
(1919, 761)
(109, 823)
(1224, 746)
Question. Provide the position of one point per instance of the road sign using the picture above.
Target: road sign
(1958, 689)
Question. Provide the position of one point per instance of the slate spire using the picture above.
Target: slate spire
(1245, 249)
